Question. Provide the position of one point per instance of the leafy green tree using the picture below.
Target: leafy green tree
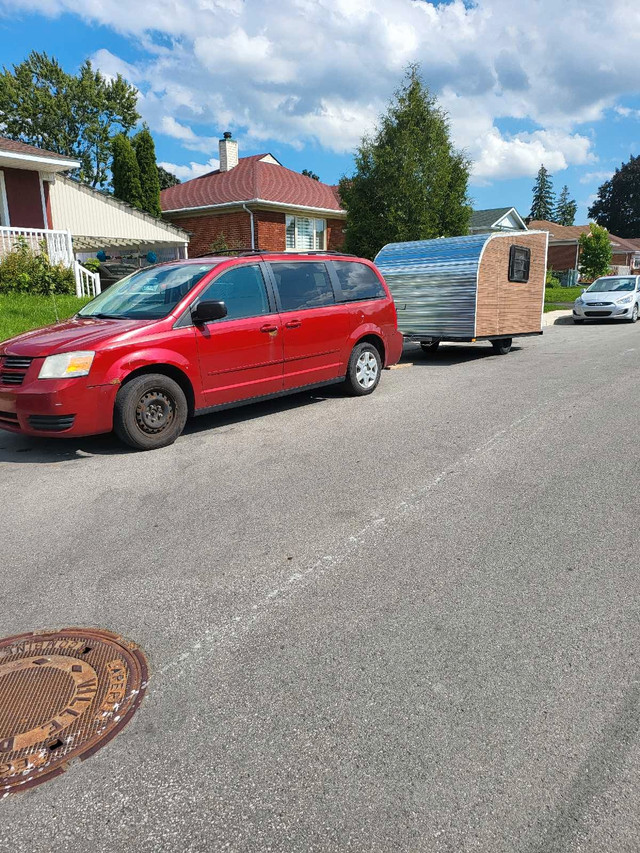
(126, 172)
(145, 151)
(617, 206)
(542, 206)
(74, 115)
(166, 179)
(410, 183)
(565, 210)
(595, 252)
(309, 174)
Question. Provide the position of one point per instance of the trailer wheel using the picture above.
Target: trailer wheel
(431, 346)
(502, 346)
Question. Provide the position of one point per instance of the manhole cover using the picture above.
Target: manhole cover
(63, 695)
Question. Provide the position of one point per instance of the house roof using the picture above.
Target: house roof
(22, 156)
(487, 218)
(571, 234)
(254, 179)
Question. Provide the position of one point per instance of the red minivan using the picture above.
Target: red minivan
(191, 337)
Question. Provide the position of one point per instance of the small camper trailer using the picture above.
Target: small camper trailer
(482, 287)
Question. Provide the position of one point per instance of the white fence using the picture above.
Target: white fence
(57, 243)
(59, 248)
(620, 270)
(87, 282)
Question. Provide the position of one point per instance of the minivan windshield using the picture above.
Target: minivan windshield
(149, 294)
(611, 285)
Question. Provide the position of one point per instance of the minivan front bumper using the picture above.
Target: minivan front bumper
(46, 407)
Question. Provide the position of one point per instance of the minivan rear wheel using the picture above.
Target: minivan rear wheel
(363, 373)
(150, 412)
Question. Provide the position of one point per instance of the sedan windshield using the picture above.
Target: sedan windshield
(150, 294)
(611, 285)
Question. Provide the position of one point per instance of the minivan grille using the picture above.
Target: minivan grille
(13, 369)
(9, 419)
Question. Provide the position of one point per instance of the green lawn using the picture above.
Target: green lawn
(562, 294)
(21, 311)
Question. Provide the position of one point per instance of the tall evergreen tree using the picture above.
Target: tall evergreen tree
(167, 179)
(617, 206)
(410, 183)
(126, 172)
(543, 196)
(75, 115)
(565, 210)
(145, 151)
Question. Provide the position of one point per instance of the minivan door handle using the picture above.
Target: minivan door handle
(268, 327)
(293, 324)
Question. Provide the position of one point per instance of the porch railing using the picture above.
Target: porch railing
(57, 243)
(87, 282)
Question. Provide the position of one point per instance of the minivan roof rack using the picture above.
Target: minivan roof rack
(242, 252)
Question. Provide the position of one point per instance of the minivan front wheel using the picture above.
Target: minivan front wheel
(363, 373)
(150, 412)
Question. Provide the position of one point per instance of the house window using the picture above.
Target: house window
(304, 234)
(519, 263)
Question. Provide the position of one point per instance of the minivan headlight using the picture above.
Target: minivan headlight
(66, 365)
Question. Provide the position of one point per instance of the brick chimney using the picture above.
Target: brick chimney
(228, 148)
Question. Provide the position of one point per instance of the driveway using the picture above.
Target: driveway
(407, 622)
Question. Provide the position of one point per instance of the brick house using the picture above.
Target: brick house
(564, 249)
(255, 202)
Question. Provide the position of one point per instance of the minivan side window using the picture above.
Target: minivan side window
(303, 284)
(242, 290)
(358, 281)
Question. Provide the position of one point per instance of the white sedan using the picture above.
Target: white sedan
(614, 297)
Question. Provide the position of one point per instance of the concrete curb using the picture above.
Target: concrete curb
(557, 318)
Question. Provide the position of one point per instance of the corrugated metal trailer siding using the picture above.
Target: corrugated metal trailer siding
(434, 283)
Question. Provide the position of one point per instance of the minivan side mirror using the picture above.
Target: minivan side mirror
(207, 311)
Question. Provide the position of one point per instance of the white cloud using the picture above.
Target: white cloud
(590, 177)
(309, 72)
(193, 170)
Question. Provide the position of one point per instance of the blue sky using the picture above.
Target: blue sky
(523, 83)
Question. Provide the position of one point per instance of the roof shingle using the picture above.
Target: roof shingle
(251, 179)
(14, 147)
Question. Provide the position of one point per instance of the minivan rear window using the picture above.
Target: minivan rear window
(302, 284)
(357, 281)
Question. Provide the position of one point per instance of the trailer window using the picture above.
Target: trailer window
(519, 263)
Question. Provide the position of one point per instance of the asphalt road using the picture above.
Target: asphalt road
(402, 623)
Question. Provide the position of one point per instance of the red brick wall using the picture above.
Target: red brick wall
(204, 230)
(561, 257)
(335, 234)
(270, 230)
(23, 198)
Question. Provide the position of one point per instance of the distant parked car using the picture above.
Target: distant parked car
(614, 297)
(192, 337)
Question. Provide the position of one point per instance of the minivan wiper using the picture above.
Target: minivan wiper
(104, 316)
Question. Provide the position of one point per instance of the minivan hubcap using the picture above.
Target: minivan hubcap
(154, 412)
(366, 370)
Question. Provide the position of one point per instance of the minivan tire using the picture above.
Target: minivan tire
(150, 412)
(363, 373)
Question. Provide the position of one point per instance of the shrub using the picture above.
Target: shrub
(92, 264)
(24, 271)
(552, 280)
